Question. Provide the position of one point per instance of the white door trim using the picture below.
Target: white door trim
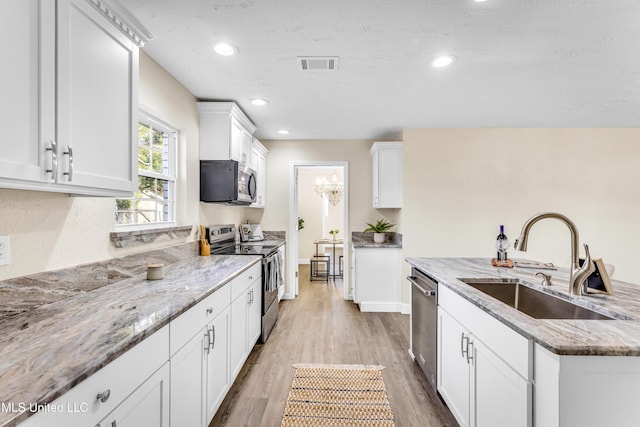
(293, 224)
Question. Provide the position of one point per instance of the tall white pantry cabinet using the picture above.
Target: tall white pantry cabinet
(69, 98)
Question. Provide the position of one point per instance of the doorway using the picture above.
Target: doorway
(319, 226)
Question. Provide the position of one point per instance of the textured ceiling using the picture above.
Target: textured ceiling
(520, 63)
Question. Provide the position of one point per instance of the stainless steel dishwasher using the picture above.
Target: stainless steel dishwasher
(424, 322)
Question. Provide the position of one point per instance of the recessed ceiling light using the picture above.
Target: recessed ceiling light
(480, 1)
(442, 61)
(225, 49)
(283, 132)
(260, 102)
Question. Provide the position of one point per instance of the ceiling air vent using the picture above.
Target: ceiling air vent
(317, 63)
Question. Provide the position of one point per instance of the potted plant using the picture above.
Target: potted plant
(334, 233)
(378, 229)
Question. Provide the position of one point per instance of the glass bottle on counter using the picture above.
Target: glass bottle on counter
(502, 244)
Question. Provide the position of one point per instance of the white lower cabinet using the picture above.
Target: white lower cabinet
(188, 377)
(453, 367)
(200, 369)
(132, 390)
(377, 279)
(148, 406)
(218, 380)
(483, 366)
(500, 396)
(246, 317)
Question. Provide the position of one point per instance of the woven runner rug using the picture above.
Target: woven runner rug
(337, 395)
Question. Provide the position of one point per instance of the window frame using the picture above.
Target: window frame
(154, 123)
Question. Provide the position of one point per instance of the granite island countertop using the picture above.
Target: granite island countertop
(618, 337)
(48, 349)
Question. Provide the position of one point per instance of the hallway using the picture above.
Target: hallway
(320, 327)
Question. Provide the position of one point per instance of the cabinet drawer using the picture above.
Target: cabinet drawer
(245, 279)
(80, 406)
(185, 326)
(512, 347)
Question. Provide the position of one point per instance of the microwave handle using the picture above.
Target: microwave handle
(252, 186)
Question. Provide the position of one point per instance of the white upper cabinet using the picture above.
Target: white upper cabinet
(259, 164)
(226, 133)
(71, 99)
(387, 174)
(27, 83)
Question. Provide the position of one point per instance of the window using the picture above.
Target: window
(154, 200)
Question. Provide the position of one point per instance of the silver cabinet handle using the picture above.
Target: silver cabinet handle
(213, 333)
(464, 347)
(69, 153)
(54, 159)
(113, 423)
(209, 310)
(207, 344)
(426, 293)
(104, 396)
(469, 351)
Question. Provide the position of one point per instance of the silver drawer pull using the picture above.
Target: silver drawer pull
(104, 396)
(54, 159)
(209, 310)
(469, 351)
(207, 341)
(464, 347)
(69, 153)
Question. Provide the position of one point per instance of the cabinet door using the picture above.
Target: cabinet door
(501, 396)
(188, 377)
(235, 150)
(254, 321)
(238, 338)
(96, 101)
(148, 406)
(376, 178)
(259, 163)
(453, 368)
(27, 105)
(218, 379)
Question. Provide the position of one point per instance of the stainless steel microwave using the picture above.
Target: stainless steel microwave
(224, 181)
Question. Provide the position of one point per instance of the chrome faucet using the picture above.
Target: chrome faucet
(579, 274)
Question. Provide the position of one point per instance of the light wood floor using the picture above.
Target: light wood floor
(319, 326)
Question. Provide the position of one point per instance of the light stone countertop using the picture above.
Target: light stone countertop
(365, 240)
(564, 337)
(47, 350)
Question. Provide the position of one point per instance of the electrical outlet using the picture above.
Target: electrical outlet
(5, 250)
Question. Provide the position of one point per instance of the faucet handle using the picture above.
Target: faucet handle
(546, 278)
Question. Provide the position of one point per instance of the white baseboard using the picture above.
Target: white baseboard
(303, 261)
(380, 307)
(405, 309)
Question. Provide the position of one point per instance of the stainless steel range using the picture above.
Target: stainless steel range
(222, 240)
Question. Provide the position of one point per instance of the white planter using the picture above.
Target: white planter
(378, 237)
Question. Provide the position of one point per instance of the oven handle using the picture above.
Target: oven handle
(426, 293)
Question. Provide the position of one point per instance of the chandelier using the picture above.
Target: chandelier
(333, 190)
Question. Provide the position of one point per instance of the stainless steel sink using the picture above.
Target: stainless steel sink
(532, 302)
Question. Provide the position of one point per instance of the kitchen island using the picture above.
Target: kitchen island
(498, 366)
(55, 344)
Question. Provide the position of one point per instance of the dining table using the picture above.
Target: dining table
(334, 243)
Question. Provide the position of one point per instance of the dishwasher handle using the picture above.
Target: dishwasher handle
(427, 293)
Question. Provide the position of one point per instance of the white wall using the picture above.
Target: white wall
(461, 184)
(282, 153)
(50, 230)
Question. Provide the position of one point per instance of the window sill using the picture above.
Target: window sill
(126, 239)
